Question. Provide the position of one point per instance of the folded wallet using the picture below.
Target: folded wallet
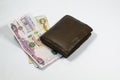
(66, 35)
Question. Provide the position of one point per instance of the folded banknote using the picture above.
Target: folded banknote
(27, 31)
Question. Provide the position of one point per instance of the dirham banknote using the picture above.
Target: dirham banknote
(27, 31)
(42, 22)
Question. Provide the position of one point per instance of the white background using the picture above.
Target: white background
(97, 59)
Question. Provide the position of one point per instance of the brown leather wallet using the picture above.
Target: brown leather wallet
(66, 35)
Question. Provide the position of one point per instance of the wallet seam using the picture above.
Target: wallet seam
(80, 43)
(77, 41)
(48, 41)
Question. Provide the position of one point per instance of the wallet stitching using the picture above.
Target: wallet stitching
(81, 42)
(61, 49)
(77, 41)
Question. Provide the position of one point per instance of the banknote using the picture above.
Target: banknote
(43, 26)
(42, 23)
(27, 31)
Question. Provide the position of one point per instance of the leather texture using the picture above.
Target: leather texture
(66, 35)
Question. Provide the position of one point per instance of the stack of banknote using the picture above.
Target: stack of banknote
(27, 31)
